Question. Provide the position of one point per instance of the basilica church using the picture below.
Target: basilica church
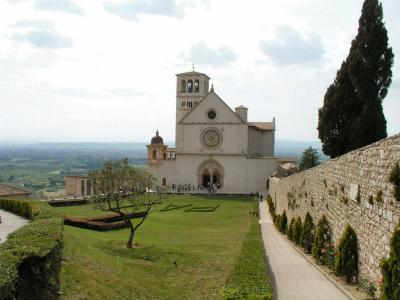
(215, 145)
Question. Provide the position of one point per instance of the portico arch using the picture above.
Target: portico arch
(210, 171)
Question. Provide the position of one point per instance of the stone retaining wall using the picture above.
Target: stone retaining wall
(342, 189)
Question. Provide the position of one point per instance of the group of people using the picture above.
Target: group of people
(211, 188)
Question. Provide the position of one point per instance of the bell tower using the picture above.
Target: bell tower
(191, 87)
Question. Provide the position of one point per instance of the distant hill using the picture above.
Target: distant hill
(295, 149)
(135, 151)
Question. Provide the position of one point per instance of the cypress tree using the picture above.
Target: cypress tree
(307, 233)
(390, 269)
(346, 261)
(370, 69)
(336, 117)
(352, 114)
(291, 229)
(298, 225)
(322, 241)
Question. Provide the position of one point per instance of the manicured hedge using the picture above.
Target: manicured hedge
(93, 225)
(202, 208)
(30, 258)
(171, 206)
(103, 223)
(249, 279)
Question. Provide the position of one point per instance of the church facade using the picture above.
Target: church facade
(215, 145)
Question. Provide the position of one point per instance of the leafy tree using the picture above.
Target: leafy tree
(352, 114)
(307, 233)
(346, 261)
(123, 189)
(297, 230)
(322, 241)
(390, 269)
(309, 159)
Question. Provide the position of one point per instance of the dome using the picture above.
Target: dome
(157, 139)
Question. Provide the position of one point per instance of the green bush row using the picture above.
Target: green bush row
(30, 258)
(249, 279)
(318, 241)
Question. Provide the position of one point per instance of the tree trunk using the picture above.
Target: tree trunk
(132, 233)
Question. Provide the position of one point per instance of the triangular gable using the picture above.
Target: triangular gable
(211, 101)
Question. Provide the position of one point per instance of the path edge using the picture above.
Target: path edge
(329, 277)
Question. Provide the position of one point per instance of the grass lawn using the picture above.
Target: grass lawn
(205, 245)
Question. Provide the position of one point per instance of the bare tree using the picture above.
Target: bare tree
(125, 190)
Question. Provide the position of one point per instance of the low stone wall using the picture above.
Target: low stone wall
(342, 189)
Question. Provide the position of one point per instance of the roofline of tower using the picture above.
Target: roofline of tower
(193, 73)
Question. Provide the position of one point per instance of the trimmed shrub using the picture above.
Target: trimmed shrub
(93, 225)
(307, 233)
(282, 225)
(298, 226)
(202, 208)
(390, 269)
(271, 207)
(346, 261)
(322, 246)
(394, 178)
(172, 206)
(291, 229)
(30, 258)
(248, 279)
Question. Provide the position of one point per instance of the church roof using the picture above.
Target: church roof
(192, 73)
(7, 190)
(219, 98)
(262, 125)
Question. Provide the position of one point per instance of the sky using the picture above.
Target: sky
(104, 71)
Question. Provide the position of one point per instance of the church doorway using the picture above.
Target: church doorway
(205, 178)
(210, 172)
(216, 179)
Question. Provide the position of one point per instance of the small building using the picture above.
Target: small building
(78, 186)
(7, 191)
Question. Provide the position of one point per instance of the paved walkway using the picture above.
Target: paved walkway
(292, 276)
(10, 223)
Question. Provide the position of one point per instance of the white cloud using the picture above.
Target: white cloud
(130, 9)
(203, 55)
(67, 6)
(41, 34)
(290, 47)
(97, 77)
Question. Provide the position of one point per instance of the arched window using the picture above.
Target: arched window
(183, 86)
(154, 154)
(196, 86)
(164, 181)
(190, 86)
